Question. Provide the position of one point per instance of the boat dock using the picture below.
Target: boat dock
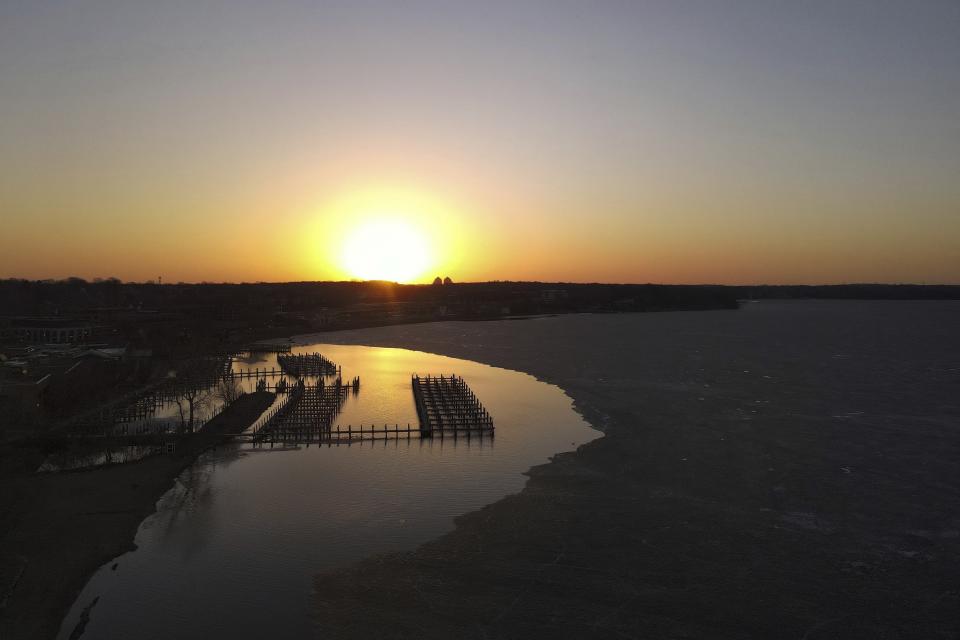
(305, 411)
(302, 365)
(243, 374)
(347, 435)
(446, 403)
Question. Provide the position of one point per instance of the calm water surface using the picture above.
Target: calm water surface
(234, 547)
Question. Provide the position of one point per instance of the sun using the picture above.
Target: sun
(396, 233)
(386, 249)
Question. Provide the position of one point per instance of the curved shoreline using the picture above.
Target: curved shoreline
(536, 421)
(67, 525)
(751, 483)
(736, 491)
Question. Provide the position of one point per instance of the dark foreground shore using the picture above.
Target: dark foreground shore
(789, 470)
(57, 529)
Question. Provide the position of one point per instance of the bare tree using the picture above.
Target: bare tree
(228, 391)
(195, 399)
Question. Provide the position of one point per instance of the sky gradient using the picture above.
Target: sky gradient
(674, 141)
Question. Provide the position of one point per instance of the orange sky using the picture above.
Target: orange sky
(654, 143)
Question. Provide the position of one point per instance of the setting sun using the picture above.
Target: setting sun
(385, 232)
(386, 249)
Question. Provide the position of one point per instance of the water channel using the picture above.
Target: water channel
(236, 544)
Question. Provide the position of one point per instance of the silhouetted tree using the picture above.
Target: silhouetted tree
(195, 399)
(228, 391)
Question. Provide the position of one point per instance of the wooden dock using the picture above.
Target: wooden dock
(304, 410)
(347, 435)
(446, 403)
(243, 374)
(302, 365)
(449, 410)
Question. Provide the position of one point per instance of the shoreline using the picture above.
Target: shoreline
(753, 480)
(67, 525)
(683, 549)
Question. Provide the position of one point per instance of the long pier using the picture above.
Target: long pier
(349, 434)
(446, 403)
(244, 374)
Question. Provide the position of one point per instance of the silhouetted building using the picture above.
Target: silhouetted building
(46, 330)
(447, 280)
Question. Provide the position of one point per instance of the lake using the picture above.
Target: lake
(235, 545)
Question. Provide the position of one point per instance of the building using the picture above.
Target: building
(46, 330)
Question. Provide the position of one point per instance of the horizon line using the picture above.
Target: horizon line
(101, 280)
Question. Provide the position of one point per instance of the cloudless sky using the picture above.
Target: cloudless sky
(667, 141)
